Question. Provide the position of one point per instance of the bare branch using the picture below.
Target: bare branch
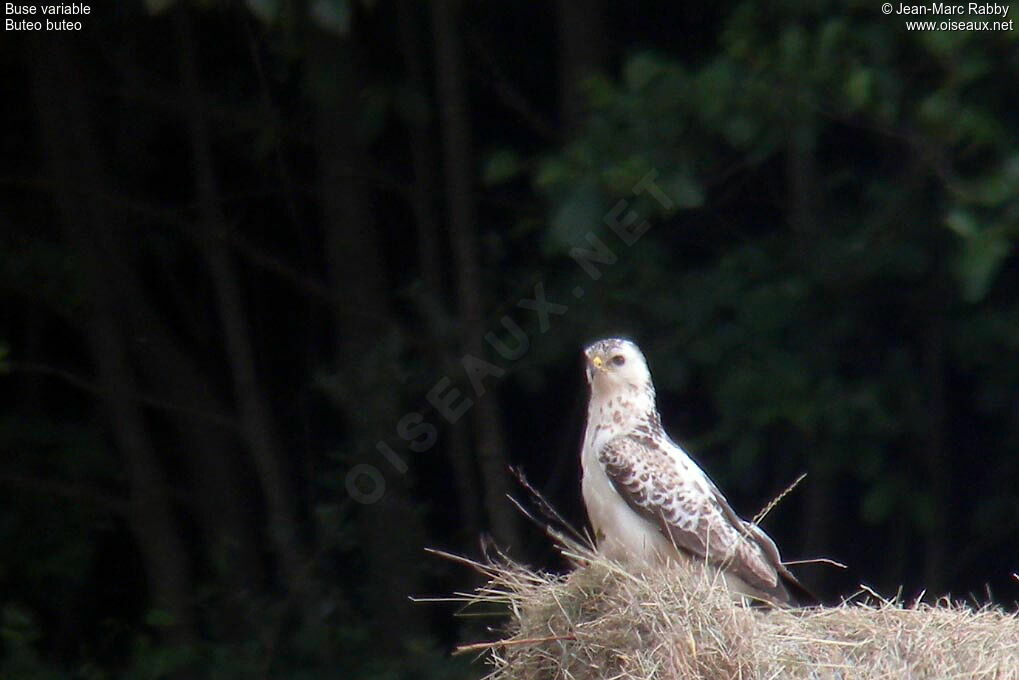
(86, 385)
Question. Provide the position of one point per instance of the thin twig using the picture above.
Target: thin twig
(770, 506)
(547, 509)
(86, 385)
(816, 560)
(870, 591)
(71, 491)
(484, 646)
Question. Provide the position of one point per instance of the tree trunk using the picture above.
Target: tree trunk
(458, 173)
(582, 51)
(79, 180)
(422, 151)
(257, 424)
(424, 164)
(389, 530)
(208, 449)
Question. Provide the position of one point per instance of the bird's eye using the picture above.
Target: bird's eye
(619, 360)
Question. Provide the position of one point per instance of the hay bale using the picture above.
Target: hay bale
(601, 621)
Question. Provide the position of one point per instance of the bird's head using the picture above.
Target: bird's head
(616, 364)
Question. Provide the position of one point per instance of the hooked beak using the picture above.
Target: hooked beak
(594, 364)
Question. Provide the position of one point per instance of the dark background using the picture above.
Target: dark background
(243, 242)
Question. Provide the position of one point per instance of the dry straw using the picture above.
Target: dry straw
(602, 621)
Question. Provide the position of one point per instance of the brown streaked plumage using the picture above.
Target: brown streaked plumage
(648, 501)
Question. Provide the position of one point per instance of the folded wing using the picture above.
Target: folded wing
(670, 491)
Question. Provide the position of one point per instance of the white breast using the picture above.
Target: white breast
(621, 533)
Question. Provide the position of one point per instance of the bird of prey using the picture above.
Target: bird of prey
(649, 502)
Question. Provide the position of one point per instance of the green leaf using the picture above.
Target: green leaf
(581, 212)
(979, 261)
(684, 189)
(332, 16)
(158, 6)
(18, 625)
(962, 223)
(792, 49)
(858, 87)
(265, 11)
(640, 70)
(552, 172)
(598, 91)
(937, 110)
(159, 618)
(501, 166)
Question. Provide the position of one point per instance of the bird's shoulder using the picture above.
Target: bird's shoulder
(653, 453)
(653, 473)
